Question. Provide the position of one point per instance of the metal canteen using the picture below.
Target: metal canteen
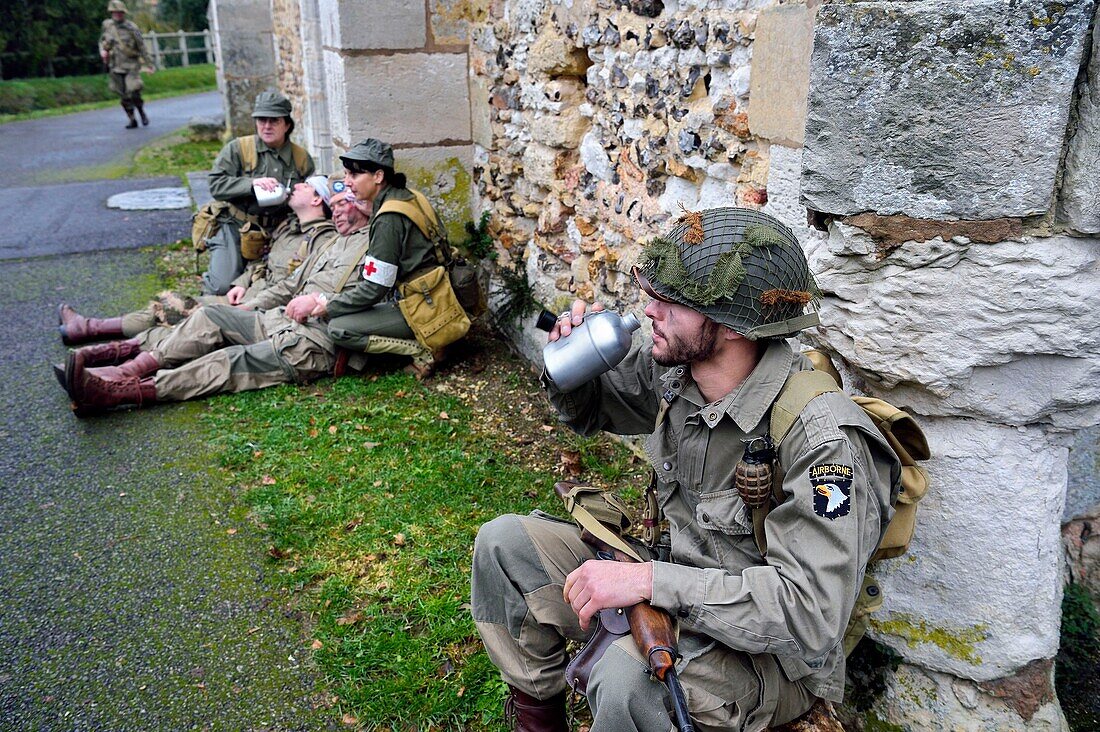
(270, 198)
(595, 346)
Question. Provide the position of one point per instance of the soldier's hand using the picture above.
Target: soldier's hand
(599, 584)
(300, 307)
(572, 318)
(267, 184)
(235, 294)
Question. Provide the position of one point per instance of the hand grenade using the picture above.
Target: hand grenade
(753, 474)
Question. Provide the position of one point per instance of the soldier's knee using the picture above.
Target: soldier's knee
(501, 537)
(621, 688)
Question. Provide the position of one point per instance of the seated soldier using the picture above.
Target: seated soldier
(269, 338)
(289, 246)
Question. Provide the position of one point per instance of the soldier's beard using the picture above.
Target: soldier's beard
(699, 348)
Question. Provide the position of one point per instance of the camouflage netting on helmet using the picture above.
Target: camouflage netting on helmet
(740, 267)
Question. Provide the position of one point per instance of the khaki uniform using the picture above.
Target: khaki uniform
(291, 243)
(221, 348)
(369, 308)
(125, 55)
(230, 182)
(761, 638)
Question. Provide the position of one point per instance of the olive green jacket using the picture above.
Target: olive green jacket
(395, 242)
(291, 243)
(230, 182)
(331, 257)
(795, 603)
(124, 46)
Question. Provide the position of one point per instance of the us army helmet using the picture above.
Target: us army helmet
(742, 268)
(116, 6)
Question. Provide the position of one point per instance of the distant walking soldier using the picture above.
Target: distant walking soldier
(123, 51)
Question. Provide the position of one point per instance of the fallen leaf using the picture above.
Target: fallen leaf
(377, 483)
(351, 525)
(444, 415)
(571, 461)
(548, 428)
(399, 539)
(267, 480)
(371, 446)
(121, 495)
(332, 429)
(316, 645)
(253, 630)
(257, 453)
(313, 432)
(399, 393)
(231, 531)
(277, 553)
(349, 720)
(351, 617)
(461, 691)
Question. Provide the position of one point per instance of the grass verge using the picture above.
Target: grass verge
(371, 490)
(33, 98)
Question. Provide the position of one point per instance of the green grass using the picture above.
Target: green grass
(372, 490)
(33, 98)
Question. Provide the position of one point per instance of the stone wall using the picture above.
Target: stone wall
(243, 34)
(938, 162)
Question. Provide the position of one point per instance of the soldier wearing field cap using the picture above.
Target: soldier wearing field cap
(760, 630)
(265, 161)
(123, 52)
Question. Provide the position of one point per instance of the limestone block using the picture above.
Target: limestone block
(780, 76)
(559, 130)
(542, 165)
(1006, 332)
(481, 112)
(908, 102)
(377, 24)
(988, 535)
(784, 169)
(554, 55)
(1080, 195)
(410, 98)
(919, 699)
(337, 100)
(1084, 473)
(442, 174)
(451, 19)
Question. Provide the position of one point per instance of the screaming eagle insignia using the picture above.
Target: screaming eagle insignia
(832, 490)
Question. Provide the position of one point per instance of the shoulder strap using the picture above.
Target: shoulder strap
(419, 210)
(249, 158)
(801, 388)
(354, 263)
(301, 159)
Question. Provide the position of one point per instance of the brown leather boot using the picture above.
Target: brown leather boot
(110, 353)
(528, 714)
(99, 393)
(142, 365)
(76, 329)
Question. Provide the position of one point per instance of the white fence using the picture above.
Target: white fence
(162, 46)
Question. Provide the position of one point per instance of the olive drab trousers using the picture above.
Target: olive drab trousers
(221, 348)
(127, 85)
(353, 331)
(519, 569)
(226, 262)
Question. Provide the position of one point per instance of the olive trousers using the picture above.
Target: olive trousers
(519, 569)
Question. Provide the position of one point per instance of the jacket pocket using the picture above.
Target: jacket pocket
(725, 512)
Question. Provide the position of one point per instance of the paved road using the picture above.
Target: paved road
(63, 217)
(125, 601)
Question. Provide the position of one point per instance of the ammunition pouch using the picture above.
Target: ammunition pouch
(254, 241)
(204, 223)
(431, 308)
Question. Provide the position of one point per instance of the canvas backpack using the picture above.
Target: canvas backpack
(904, 436)
(250, 158)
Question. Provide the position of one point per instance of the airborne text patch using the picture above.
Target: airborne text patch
(832, 486)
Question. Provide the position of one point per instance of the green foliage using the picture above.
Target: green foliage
(30, 95)
(479, 244)
(868, 666)
(1077, 667)
(187, 15)
(50, 38)
(519, 298)
(372, 490)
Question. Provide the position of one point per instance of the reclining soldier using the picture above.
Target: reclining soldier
(760, 633)
(290, 245)
(269, 338)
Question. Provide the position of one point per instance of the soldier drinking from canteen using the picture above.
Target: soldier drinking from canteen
(760, 634)
(123, 52)
(262, 161)
(290, 245)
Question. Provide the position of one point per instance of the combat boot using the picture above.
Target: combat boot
(141, 112)
(76, 329)
(98, 393)
(425, 363)
(133, 122)
(142, 365)
(528, 714)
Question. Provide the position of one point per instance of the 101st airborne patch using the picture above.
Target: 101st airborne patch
(832, 489)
